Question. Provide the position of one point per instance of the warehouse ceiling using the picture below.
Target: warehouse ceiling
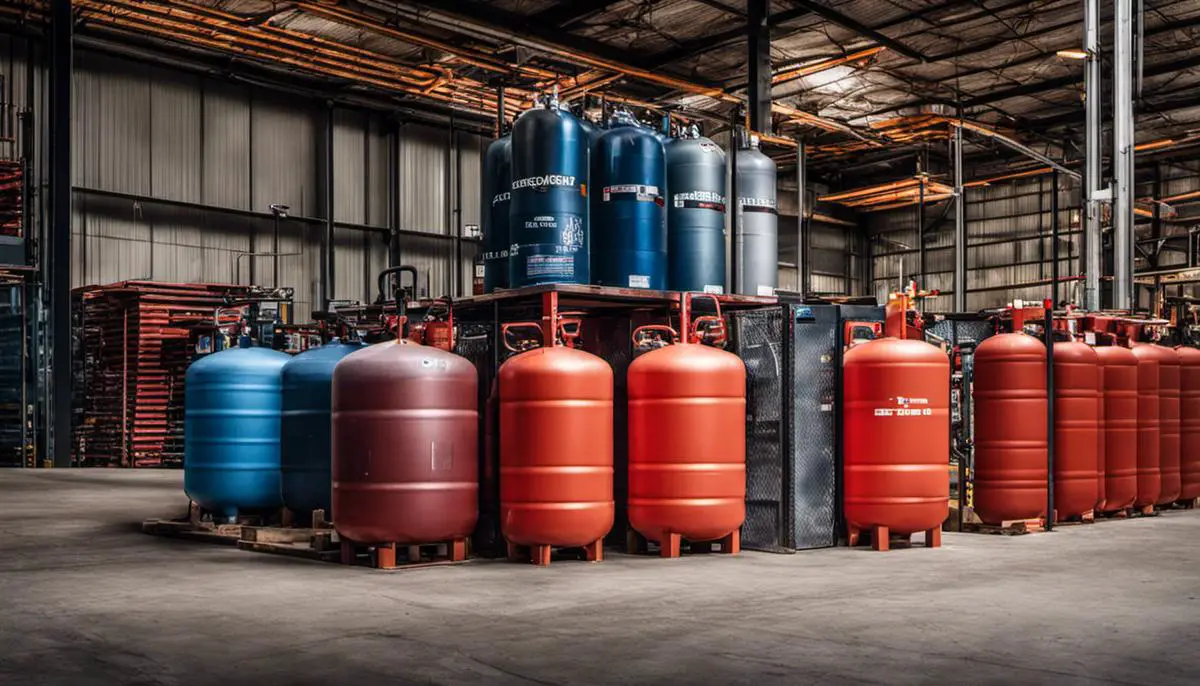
(867, 81)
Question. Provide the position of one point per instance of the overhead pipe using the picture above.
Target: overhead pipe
(1123, 155)
(792, 73)
(1093, 88)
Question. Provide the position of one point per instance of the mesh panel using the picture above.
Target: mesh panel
(815, 364)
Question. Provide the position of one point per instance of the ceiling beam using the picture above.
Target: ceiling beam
(834, 17)
(758, 62)
(688, 49)
(565, 14)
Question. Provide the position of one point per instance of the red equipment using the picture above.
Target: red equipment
(405, 428)
(1119, 464)
(1189, 423)
(896, 401)
(1077, 407)
(556, 448)
(1010, 428)
(1149, 474)
(687, 437)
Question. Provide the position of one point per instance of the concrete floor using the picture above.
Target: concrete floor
(87, 599)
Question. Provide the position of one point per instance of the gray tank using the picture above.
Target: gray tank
(758, 239)
(695, 214)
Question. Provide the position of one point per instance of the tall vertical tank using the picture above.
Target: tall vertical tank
(231, 430)
(1149, 474)
(548, 212)
(1010, 428)
(687, 443)
(1169, 428)
(405, 427)
(556, 449)
(629, 232)
(758, 236)
(306, 450)
(1189, 423)
(1119, 372)
(494, 207)
(1077, 406)
(695, 215)
(896, 400)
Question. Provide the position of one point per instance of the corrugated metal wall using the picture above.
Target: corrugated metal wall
(175, 175)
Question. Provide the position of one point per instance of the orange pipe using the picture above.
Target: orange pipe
(800, 72)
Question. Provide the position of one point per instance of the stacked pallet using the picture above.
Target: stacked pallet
(12, 175)
(134, 345)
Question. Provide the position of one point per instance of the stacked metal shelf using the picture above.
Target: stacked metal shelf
(11, 339)
(134, 344)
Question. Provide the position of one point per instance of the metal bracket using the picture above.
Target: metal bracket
(1103, 194)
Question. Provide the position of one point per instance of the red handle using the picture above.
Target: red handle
(569, 328)
(505, 329)
(641, 337)
(709, 329)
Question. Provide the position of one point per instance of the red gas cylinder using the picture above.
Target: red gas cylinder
(896, 401)
(1010, 428)
(405, 423)
(1119, 378)
(687, 443)
(556, 450)
(1101, 435)
(1149, 475)
(1168, 428)
(1189, 423)
(1076, 429)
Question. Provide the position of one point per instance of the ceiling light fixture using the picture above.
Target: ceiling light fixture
(1073, 54)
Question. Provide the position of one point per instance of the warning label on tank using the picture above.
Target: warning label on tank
(758, 205)
(699, 200)
(551, 266)
(766, 291)
(639, 281)
(906, 407)
(544, 181)
(631, 192)
(714, 290)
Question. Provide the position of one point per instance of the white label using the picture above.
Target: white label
(714, 290)
(547, 180)
(1089, 337)
(639, 281)
(904, 408)
(479, 272)
(766, 290)
(826, 407)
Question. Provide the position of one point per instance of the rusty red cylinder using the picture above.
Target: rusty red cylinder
(1101, 435)
(405, 427)
(896, 404)
(556, 448)
(1076, 429)
(1011, 446)
(1119, 379)
(1168, 428)
(687, 442)
(1189, 423)
(1149, 450)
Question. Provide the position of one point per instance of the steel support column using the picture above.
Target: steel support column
(393, 175)
(1054, 238)
(58, 266)
(758, 46)
(327, 275)
(734, 204)
(960, 224)
(803, 282)
(1092, 239)
(1123, 155)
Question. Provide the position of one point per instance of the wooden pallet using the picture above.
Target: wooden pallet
(1190, 504)
(540, 555)
(1144, 511)
(1088, 517)
(383, 555)
(1013, 527)
(672, 544)
(882, 538)
(1119, 513)
(196, 527)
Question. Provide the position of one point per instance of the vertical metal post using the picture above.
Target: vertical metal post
(393, 175)
(1092, 238)
(59, 264)
(1123, 155)
(327, 285)
(920, 232)
(735, 203)
(453, 195)
(758, 47)
(1048, 325)
(1156, 233)
(960, 225)
(802, 225)
(500, 114)
(1054, 238)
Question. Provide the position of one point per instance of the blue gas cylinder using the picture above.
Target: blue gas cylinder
(306, 456)
(231, 430)
(548, 212)
(629, 234)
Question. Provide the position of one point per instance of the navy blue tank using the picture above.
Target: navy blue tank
(629, 241)
(494, 206)
(548, 216)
